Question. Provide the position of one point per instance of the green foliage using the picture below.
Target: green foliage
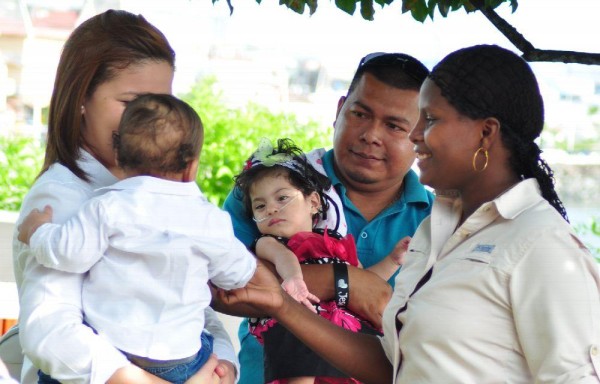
(232, 135)
(21, 159)
(419, 9)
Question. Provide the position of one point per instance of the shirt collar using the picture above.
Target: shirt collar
(414, 191)
(509, 204)
(157, 185)
(519, 198)
(99, 175)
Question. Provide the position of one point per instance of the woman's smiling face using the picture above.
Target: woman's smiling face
(444, 141)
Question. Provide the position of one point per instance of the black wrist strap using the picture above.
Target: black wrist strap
(282, 240)
(341, 284)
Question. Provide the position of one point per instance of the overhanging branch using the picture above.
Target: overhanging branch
(530, 53)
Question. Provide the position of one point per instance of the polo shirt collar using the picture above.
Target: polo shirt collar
(414, 191)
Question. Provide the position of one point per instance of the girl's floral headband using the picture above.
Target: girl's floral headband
(266, 155)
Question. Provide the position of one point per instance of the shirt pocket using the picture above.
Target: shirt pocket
(477, 253)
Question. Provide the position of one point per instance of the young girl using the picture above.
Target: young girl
(289, 199)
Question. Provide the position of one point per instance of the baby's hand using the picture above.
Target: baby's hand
(32, 222)
(397, 254)
(296, 287)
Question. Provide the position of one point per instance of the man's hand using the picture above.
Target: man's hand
(32, 222)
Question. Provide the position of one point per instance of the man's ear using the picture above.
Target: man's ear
(191, 171)
(341, 102)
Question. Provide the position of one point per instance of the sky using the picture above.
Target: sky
(341, 39)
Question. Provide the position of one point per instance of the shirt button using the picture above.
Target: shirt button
(364, 235)
(594, 350)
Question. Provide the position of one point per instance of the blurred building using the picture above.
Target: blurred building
(32, 33)
(254, 61)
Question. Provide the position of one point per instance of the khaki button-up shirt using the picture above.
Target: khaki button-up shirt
(514, 297)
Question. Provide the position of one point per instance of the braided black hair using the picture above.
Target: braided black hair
(489, 81)
(304, 176)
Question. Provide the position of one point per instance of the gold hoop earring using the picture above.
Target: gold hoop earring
(487, 158)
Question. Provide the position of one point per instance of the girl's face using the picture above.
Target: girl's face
(279, 208)
(445, 141)
(103, 109)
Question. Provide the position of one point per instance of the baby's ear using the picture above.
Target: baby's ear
(191, 171)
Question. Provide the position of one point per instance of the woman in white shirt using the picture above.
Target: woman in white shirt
(496, 287)
(106, 62)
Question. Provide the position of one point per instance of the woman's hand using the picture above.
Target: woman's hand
(208, 373)
(263, 292)
(226, 372)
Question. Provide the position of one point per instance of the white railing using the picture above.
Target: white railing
(9, 303)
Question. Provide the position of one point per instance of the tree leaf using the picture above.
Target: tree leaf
(418, 9)
(366, 9)
(295, 5)
(348, 6)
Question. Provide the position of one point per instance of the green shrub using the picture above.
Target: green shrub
(232, 135)
(21, 159)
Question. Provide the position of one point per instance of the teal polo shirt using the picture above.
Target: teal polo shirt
(374, 241)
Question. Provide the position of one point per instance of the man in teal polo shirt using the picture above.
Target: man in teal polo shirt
(370, 168)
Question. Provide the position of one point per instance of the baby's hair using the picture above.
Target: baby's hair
(158, 134)
(301, 175)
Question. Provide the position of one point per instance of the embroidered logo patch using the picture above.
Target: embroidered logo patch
(485, 248)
